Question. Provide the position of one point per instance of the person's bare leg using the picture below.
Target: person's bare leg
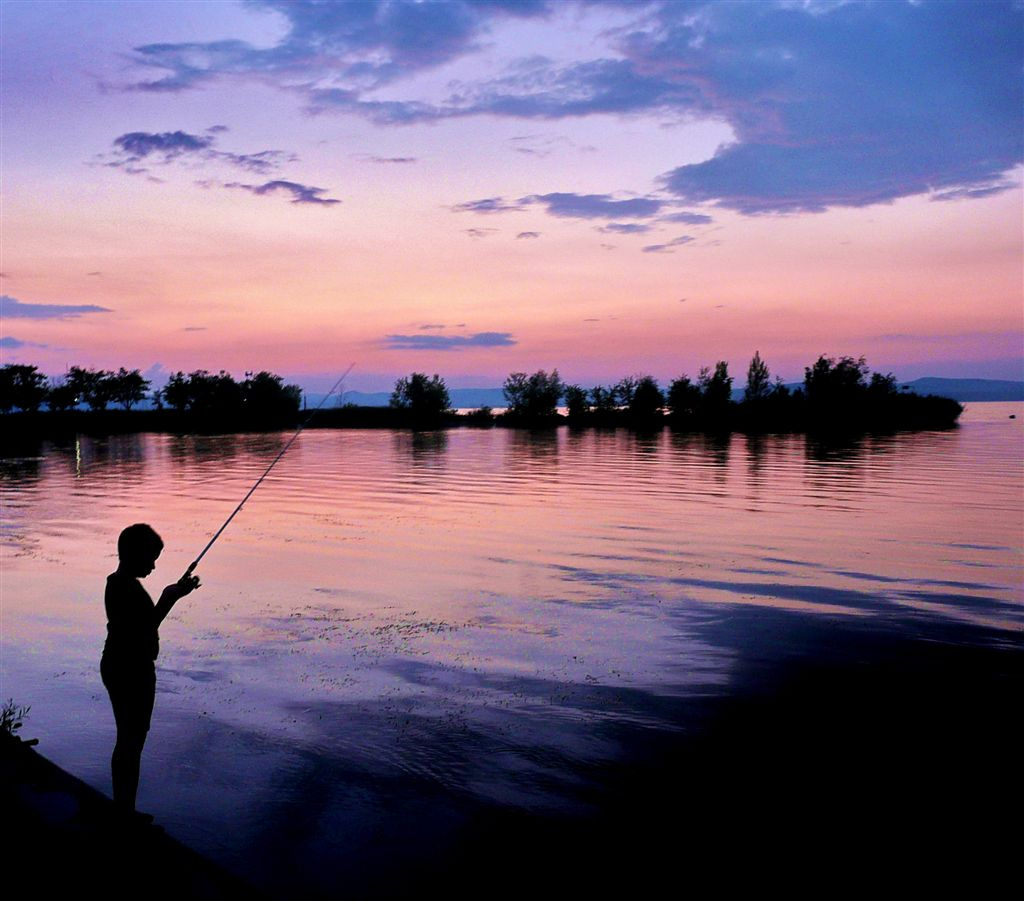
(125, 764)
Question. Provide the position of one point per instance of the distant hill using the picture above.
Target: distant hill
(963, 390)
(969, 389)
(462, 398)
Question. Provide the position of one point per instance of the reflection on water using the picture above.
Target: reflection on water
(402, 625)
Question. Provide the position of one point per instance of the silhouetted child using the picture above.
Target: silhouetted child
(128, 666)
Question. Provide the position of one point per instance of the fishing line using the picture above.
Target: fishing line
(266, 472)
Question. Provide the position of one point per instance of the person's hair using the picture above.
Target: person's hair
(137, 541)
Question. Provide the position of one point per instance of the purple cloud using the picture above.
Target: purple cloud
(831, 104)
(488, 205)
(687, 218)
(567, 205)
(625, 228)
(11, 343)
(449, 342)
(163, 148)
(361, 44)
(168, 145)
(528, 235)
(11, 308)
(666, 247)
(595, 206)
(300, 193)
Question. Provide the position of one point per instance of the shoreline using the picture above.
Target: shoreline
(62, 834)
(919, 414)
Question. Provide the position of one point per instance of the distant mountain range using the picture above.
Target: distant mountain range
(969, 389)
(963, 390)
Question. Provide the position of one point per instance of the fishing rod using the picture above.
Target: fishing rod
(266, 472)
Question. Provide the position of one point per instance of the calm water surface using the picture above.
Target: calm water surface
(399, 630)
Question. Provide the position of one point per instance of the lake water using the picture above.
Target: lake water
(406, 643)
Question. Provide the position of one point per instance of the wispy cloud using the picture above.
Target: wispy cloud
(300, 193)
(449, 342)
(625, 228)
(488, 205)
(596, 206)
(136, 150)
(480, 232)
(12, 343)
(167, 145)
(831, 104)
(687, 218)
(569, 205)
(973, 193)
(544, 145)
(668, 245)
(11, 308)
(401, 160)
(356, 47)
(528, 235)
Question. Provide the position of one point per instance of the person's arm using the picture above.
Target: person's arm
(174, 593)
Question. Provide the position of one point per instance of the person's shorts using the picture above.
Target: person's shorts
(132, 689)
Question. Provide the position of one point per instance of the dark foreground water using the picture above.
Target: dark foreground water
(493, 662)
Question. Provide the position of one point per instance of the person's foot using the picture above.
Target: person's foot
(137, 819)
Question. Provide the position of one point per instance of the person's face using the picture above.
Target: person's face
(144, 563)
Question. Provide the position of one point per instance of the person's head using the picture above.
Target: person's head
(138, 546)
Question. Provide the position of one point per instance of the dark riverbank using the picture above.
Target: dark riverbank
(900, 413)
(61, 835)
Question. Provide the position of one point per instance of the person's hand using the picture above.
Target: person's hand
(185, 585)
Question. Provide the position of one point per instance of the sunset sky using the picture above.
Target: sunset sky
(476, 188)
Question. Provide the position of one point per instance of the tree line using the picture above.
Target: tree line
(199, 393)
(836, 393)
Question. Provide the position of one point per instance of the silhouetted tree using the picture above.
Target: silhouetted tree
(176, 392)
(882, 386)
(623, 391)
(214, 395)
(533, 398)
(61, 396)
(682, 398)
(91, 386)
(6, 389)
(603, 400)
(576, 402)
(758, 380)
(265, 395)
(204, 393)
(424, 398)
(261, 399)
(21, 386)
(127, 388)
(831, 382)
(780, 388)
(646, 400)
(715, 391)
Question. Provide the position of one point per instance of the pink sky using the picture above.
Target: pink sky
(506, 182)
